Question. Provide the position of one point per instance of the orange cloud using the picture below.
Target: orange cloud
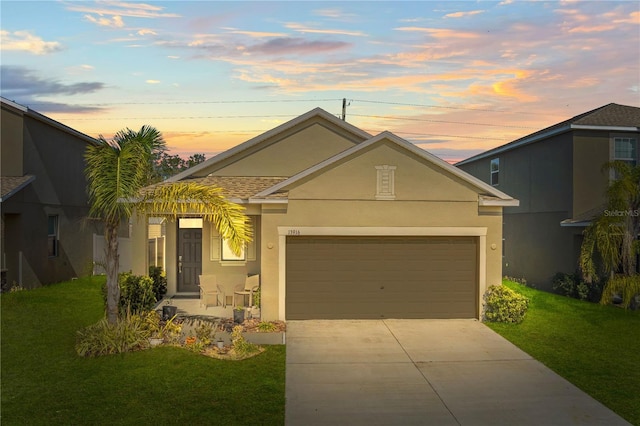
(463, 14)
(592, 29)
(304, 29)
(440, 32)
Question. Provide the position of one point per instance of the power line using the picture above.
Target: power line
(440, 121)
(449, 107)
(440, 135)
(203, 102)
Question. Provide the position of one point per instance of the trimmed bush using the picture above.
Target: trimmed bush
(159, 281)
(136, 293)
(504, 305)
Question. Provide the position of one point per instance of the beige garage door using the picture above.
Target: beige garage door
(381, 277)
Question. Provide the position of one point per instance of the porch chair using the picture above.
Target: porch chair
(251, 284)
(209, 288)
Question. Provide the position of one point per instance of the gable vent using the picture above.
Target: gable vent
(385, 182)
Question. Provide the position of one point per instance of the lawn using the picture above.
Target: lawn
(595, 347)
(45, 382)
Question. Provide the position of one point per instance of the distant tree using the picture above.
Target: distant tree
(117, 171)
(165, 165)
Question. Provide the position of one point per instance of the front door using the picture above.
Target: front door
(189, 254)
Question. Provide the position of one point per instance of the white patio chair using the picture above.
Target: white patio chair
(251, 284)
(209, 288)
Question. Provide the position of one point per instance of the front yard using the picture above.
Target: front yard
(44, 381)
(595, 347)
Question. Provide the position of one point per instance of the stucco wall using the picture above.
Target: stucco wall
(56, 158)
(286, 155)
(430, 198)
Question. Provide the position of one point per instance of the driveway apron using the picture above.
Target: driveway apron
(424, 372)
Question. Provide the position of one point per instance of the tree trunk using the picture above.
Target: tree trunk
(628, 254)
(113, 288)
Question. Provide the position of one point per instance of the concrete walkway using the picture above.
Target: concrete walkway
(424, 372)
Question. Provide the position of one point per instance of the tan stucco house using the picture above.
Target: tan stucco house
(346, 224)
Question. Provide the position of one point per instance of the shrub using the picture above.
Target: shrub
(136, 293)
(504, 305)
(266, 327)
(571, 285)
(159, 281)
(204, 332)
(240, 345)
(625, 287)
(103, 338)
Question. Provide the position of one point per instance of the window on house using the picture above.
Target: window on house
(52, 236)
(495, 171)
(626, 149)
(228, 254)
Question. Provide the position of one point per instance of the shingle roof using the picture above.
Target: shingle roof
(238, 187)
(611, 115)
(9, 185)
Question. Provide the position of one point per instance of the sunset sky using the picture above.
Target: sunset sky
(455, 78)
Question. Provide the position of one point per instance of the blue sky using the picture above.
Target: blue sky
(456, 78)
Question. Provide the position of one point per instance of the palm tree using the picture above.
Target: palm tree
(117, 171)
(614, 233)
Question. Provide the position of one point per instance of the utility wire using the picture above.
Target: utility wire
(386, 117)
(449, 107)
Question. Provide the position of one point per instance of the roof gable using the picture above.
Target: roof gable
(484, 190)
(316, 115)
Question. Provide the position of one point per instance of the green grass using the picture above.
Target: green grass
(595, 347)
(44, 382)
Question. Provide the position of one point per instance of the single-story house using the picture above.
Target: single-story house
(346, 225)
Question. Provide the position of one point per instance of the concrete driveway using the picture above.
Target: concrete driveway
(424, 372)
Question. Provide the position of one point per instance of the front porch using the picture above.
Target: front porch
(190, 306)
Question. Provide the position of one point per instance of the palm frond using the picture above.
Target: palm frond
(114, 172)
(188, 198)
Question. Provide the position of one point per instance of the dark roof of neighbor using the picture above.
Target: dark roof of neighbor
(610, 115)
(9, 185)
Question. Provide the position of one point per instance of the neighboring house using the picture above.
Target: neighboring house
(347, 225)
(556, 173)
(44, 236)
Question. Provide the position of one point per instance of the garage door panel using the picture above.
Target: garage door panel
(381, 277)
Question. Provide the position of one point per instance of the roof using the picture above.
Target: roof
(236, 188)
(9, 185)
(613, 117)
(584, 218)
(316, 112)
(51, 122)
(495, 197)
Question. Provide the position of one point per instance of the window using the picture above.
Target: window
(228, 254)
(495, 171)
(625, 149)
(52, 236)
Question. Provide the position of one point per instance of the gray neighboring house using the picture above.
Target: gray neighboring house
(556, 173)
(44, 235)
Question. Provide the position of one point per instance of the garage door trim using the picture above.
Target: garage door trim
(462, 231)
